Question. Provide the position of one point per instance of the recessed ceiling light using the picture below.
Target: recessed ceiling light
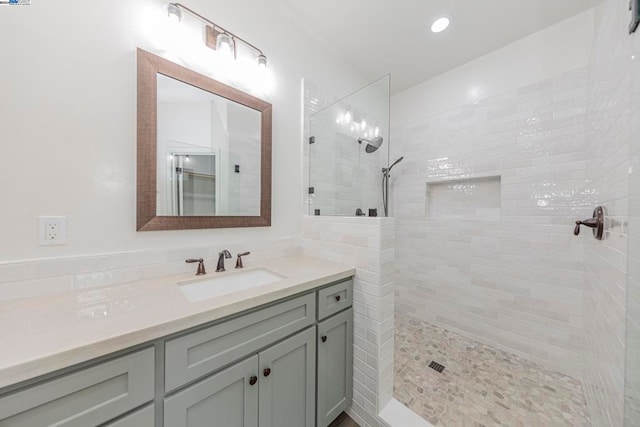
(440, 25)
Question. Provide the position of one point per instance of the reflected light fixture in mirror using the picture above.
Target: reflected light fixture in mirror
(217, 38)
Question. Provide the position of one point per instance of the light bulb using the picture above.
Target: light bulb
(224, 45)
(262, 61)
(347, 117)
(174, 13)
(440, 25)
(377, 131)
(363, 124)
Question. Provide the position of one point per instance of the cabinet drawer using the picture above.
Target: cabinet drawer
(89, 397)
(144, 417)
(335, 298)
(199, 353)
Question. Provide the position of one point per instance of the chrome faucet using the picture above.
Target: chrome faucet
(221, 256)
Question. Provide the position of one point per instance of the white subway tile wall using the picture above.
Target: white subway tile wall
(467, 198)
(49, 276)
(609, 136)
(500, 265)
(368, 244)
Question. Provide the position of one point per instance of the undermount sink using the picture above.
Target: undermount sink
(227, 283)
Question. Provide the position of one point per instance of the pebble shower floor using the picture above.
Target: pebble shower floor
(480, 385)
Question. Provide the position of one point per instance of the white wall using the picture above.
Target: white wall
(68, 110)
(511, 278)
(542, 55)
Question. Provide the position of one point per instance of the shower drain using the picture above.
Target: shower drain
(436, 366)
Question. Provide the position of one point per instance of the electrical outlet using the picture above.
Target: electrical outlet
(53, 230)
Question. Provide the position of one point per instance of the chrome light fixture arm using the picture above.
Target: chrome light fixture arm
(217, 27)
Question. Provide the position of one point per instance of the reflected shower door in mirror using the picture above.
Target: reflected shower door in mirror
(191, 187)
(208, 153)
(204, 151)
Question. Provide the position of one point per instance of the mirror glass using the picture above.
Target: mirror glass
(204, 151)
(208, 153)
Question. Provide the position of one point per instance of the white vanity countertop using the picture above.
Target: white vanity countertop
(43, 334)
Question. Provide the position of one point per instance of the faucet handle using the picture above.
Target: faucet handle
(200, 262)
(239, 260)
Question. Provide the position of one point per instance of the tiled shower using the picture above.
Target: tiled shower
(487, 266)
(483, 208)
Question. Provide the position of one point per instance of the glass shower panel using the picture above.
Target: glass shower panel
(349, 146)
(632, 344)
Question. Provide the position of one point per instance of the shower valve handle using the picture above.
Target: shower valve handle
(596, 222)
(591, 223)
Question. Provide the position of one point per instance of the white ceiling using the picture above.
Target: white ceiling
(383, 36)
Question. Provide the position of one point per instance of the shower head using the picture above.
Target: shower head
(372, 144)
(395, 163)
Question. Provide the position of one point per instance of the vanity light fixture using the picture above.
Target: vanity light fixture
(217, 38)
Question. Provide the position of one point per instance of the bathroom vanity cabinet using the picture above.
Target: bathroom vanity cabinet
(286, 364)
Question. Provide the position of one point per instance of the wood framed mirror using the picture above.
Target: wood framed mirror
(204, 151)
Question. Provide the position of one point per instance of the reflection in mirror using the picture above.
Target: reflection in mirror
(191, 187)
(208, 153)
(204, 151)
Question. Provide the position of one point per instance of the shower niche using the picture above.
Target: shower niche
(347, 148)
(468, 198)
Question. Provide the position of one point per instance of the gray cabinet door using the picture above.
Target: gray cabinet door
(335, 366)
(287, 382)
(226, 399)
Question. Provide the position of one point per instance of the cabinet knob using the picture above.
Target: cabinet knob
(253, 380)
(338, 298)
(324, 338)
(267, 372)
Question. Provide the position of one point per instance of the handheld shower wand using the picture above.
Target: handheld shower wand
(393, 164)
(385, 185)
